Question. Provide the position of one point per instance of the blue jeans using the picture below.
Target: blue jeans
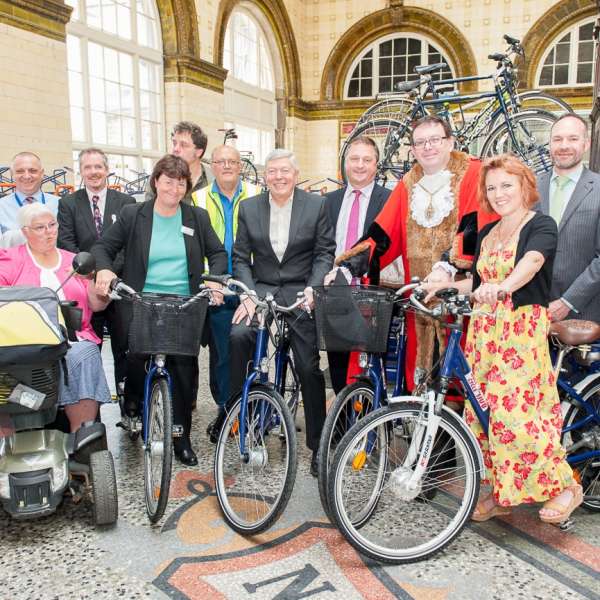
(219, 320)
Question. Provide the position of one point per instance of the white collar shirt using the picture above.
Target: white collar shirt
(279, 226)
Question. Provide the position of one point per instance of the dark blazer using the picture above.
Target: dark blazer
(576, 274)
(132, 233)
(76, 228)
(334, 200)
(309, 254)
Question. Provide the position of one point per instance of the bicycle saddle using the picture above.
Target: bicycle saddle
(407, 86)
(574, 332)
(424, 69)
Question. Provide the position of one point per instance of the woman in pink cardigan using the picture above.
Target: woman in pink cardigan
(39, 262)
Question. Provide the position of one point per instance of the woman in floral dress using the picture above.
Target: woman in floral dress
(508, 351)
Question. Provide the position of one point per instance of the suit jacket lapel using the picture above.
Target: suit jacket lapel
(264, 222)
(337, 201)
(187, 220)
(582, 189)
(372, 208)
(109, 209)
(144, 231)
(297, 210)
(83, 203)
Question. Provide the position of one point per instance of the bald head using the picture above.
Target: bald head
(27, 173)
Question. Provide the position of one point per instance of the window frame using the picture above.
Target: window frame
(374, 47)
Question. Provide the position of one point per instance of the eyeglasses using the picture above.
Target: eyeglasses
(434, 142)
(53, 226)
(226, 162)
(274, 172)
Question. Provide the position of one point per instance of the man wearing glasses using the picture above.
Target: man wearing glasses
(431, 220)
(222, 199)
(27, 173)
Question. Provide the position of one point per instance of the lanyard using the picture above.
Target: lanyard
(20, 202)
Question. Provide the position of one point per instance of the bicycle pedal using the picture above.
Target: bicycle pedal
(566, 525)
(177, 431)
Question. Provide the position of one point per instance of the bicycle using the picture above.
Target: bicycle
(256, 454)
(504, 119)
(161, 326)
(577, 366)
(249, 172)
(369, 390)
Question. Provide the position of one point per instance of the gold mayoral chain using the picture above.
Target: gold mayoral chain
(430, 211)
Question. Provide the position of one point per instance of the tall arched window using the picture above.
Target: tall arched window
(250, 104)
(390, 60)
(115, 82)
(570, 60)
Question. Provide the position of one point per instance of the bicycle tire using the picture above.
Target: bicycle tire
(587, 473)
(159, 446)
(527, 126)
(246, 511)
(394, 107)
(249, 172)
(533, 100)
(400, 515)
(391, 137)
(335, 427)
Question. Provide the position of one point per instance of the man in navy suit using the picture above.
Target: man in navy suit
(82, 218)
(351, 211)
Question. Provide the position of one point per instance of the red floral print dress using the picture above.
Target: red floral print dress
(509, 355)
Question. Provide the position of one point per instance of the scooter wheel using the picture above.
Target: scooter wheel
(105, 504)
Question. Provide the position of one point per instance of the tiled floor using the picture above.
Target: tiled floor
(191, 553)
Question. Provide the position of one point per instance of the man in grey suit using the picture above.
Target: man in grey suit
(571, 195)
(351, 210)
(284, 245)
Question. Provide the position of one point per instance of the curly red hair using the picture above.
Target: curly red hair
(513, 166)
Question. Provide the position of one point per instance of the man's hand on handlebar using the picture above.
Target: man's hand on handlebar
(245, 310)
(103, 281)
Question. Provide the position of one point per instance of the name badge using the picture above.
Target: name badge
(114, 218)
(187, 231)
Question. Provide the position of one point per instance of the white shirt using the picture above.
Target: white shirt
(101, 200)
(279, 226)
(341, 228)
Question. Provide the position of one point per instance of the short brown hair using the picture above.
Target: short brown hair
(367, 141)
(199, 138)
(430, 120)
(575, 116)
(98, 151)
(174, 167)
(513, 166)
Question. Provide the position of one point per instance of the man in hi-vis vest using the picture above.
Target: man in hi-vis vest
(221, 199)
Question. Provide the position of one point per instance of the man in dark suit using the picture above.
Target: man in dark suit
(82, 218)
(351, 211)
(284, 245)
(571, 195)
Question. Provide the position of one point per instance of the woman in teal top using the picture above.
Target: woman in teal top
(165, 244)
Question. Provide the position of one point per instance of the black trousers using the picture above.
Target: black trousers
(303, 341)
(338, 369)
(184, 382)
(118, 346)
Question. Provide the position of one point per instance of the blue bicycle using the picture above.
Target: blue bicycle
(161, 326)
(256, 454)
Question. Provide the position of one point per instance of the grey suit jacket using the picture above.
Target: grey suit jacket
(576, 274)
(308, 256)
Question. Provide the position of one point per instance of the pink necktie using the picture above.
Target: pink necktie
(352, 231)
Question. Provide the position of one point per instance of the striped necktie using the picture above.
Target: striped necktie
(559, 198)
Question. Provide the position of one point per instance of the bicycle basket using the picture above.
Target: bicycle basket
(161, 324)
(353, 318)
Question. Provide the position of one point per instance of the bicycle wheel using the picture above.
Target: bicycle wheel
(531, 131)
(350, 405)
(249, 172)
(395, 107)
(404, 525)
(586, 471)
(533, 99)
(158, 451)
(392, 139)
(254, 489)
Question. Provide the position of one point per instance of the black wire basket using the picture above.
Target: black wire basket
(164, 324)
(353, 318)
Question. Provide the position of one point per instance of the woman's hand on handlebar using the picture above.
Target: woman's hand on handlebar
(245, 310)
(216, 299)
(431, 287)
(489, 293)
(103, 280)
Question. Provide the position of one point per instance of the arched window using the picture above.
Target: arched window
(250, 105)
(570, 60)
(115, 82)
(390, 60)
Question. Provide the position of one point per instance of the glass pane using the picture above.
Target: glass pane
(75, 89)
(414, 46)
(353, 89)
(586, 32)
(124, 22)
(73, 53)
(113, 100)
(562, 53)
(585, 52)
(367, 68)
(98, 127)
(546, 76)
(97, 94)
(113, 130)
(399, 66)
(565, 39)
(385, 84)
(584, 73)
(126, 68)
(402, 48)
(77, 124)
(109, 18)
(146, 32)
(366, 86)
(369, 54)
(95, 60)
(550, 58)
(385, 66)
(127, 101)
(385, 48)
(93, 14)
(356, 72)
(561, 75)
(111, 64)
(128, 132)
(146, 135)
(413, 61)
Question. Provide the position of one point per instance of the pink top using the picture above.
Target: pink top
(18, 268)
